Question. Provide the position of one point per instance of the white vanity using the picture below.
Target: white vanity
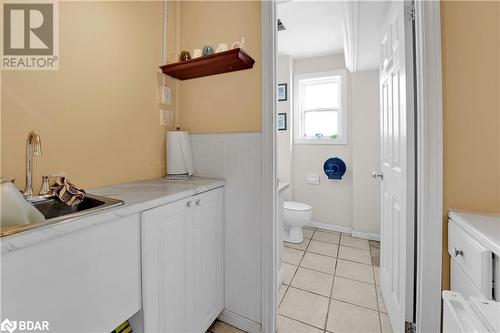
(159, 257)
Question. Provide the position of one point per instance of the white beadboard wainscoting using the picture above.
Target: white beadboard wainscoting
(237, 158)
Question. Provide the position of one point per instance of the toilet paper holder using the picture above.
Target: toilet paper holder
(334, 168)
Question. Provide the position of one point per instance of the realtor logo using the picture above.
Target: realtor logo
(30, 36)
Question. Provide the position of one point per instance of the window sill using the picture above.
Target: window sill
(320, 141)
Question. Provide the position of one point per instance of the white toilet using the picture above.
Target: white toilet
(295, 216)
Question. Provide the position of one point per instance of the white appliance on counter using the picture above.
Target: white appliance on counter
(475, 315)
(474, 246)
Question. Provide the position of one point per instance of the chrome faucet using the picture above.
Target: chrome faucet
(33, 148)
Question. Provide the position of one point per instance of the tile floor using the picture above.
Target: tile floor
(330, 285)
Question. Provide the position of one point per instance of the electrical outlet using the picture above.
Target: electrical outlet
(166, 95)
(166, 118)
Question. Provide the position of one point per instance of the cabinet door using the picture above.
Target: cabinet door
(167, 257)
(209, 257)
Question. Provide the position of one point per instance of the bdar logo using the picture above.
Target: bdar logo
(8, 326)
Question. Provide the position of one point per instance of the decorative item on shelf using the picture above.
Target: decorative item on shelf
(184, 56)
(281, 121)
(239, 44)
(282, 92)
(221, 48)
(197, 53)
(208, 50)
(236, 45)
(334, 168)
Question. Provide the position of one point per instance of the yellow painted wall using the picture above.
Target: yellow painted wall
(471, 101)
(98, 114)
(229, 102)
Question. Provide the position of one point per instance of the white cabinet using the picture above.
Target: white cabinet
(182, 264)
(85, 281)
(208, 258)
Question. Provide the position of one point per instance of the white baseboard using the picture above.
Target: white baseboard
(240, 322)
(366, 235)
(331, 227)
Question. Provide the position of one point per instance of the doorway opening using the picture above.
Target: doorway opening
(345, 156)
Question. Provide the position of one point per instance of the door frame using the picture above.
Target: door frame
(429, 164)
(429, 209)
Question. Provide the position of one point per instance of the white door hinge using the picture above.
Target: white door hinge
(410, 327)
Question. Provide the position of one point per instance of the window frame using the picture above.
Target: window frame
(342, 110)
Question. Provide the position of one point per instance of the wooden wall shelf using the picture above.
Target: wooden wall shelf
(218, 63)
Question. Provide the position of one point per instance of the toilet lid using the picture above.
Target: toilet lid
(296, 205)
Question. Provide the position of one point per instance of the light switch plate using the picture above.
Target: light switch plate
(166, 118)
(166, 97)
(312, 178)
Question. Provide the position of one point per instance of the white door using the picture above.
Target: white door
(167, 267)
(209, 257)
(397, 166)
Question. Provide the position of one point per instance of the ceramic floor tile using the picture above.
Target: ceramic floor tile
(319, 262)
(287, 325)
(348, 318)
(358, 255)
(221, 327)
(288, 272)
(292, 256)
(281, 293)
(301, 246)
(305, 307)
(380, 299)
(385, 323)
(313, 281)
(376, 272)
(308, 232)
(327, 249)
(355, 271)
(355, 292)
(327, 236)
(355, 242)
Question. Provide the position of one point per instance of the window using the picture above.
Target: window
(320, 108)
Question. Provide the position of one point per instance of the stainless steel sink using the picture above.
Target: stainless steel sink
(56, 211)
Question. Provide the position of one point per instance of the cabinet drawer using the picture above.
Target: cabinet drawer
(474, 259)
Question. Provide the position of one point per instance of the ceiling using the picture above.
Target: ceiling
(316, 28)
(313, 28)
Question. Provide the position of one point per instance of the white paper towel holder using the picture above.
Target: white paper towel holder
(179, 156)
(178, 177)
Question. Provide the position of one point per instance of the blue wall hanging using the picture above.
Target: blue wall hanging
(334, 168)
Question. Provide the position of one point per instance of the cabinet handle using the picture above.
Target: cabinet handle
(189, 203)
(458, 252)
(197, 202)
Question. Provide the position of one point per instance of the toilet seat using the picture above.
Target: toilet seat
(298, 206)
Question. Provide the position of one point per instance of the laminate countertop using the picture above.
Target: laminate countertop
(138, 197)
